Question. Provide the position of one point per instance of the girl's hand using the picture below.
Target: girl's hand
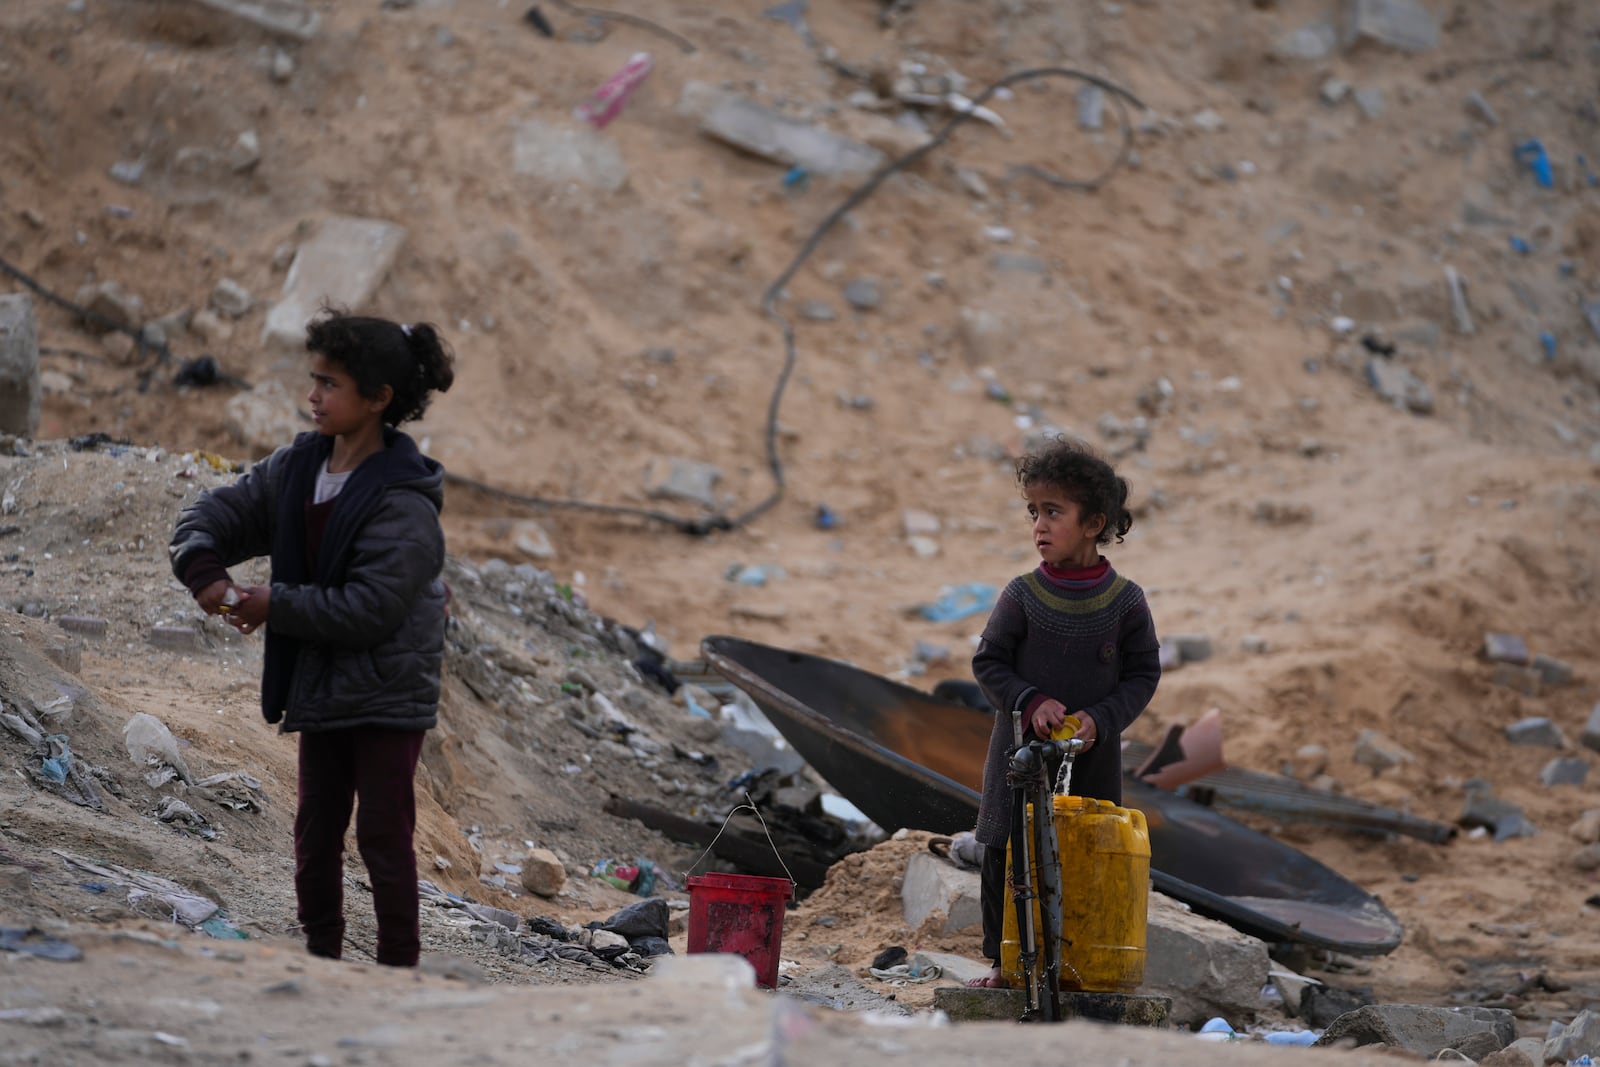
(1046, 717)
(250, 614)
(1088, 733)
(211, 597)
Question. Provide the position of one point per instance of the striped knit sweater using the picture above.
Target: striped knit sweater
(1082, 638)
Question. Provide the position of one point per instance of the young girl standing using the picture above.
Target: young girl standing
(355, 611)
(1071, 637)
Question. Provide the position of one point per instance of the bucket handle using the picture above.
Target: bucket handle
(750, 806)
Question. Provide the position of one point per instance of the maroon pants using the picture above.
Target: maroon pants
(338, 768)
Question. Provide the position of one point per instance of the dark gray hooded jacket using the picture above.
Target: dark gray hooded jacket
(361, 641)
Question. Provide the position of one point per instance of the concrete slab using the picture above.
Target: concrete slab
(979, 1005)
(343, 263)
(557, 154)
(931, 884)
(772, 135)
(1205, 967)
(19, 366)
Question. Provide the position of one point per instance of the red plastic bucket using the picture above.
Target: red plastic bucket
(740, 914)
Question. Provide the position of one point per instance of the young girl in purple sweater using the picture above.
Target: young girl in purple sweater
(1072, 637)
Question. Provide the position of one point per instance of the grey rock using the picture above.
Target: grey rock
(542, 872)
(1536, 730)
(1591, 312)
(1505, 648)
(1091, 107)
(934, 885)
(1333, 91)
(19, 366)
(1524, 680)
(1379, 753)
(558, 155)
(1580, 1037)
(110, 306)
(1419, 1028)
(818, 311)
(1321, 1004)
(1501, 817)
(1552, 671)
(863, 294)
(1591, 729)
(1370, 101)
(343, 264)
(1311, 43)
(283, 65)
(1016, 262)
(1565, 770)
(1192, 648)
(676, 478)
(229, 298)
(1402, 24)
(1206, 967)
(1479, 108)
(837, 987)
(127, 171)
(1399, 386)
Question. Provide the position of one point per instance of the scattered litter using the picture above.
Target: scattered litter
(536, 19)
(221, 928)
(1302, 1038)
(187, 908)
(1547, 341)
(1532, 154)
(58, 764)
(827, 520)
(638, 877)
(609, 100)
(959, 602)
(32, 941)
(1519, 244)
(151, 744)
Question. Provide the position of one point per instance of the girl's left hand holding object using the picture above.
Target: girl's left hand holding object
(250, 613)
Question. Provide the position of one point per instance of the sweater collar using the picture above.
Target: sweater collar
(1076, 575)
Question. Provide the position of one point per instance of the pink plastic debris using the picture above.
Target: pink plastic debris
(609, 99)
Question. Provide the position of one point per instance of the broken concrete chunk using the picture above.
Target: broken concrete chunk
(763, 132)
(1479, 107)
(914, 522)
(343, 264)
(1536, 731)
(109, 306)
(1399, 386)
(1422, 1029)
(1402, 24)
(1191, 648)
(542, 872)
(560, 155)
(1552, 671)
(1309, 43)
(1505, 648)
(935, 885)
(1591, 729)
(287, 18)
(1206, 967)
(230, 298)
(1524, 680)
(1565, 770)
(676, 478)
(19, 366)
(1374, 750)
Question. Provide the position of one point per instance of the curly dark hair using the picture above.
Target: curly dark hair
(1085, 477)
(412, 360)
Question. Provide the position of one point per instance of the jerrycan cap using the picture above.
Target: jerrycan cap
(1067, 729)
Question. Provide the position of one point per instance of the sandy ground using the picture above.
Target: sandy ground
(1368, 547)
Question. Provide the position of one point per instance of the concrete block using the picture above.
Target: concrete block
(932, 884)
(83, 625)
(1402, 24)
(1551, 671)
(564, 155)
(1580, 1037)
(1565, 770)
(1204, 967)
(343, 263)
(1505, 648)
(175, 638)
(1419, 1028)
(68, 655)
(1536, 730)
(763, 132)
(682, 479)
(19, 366)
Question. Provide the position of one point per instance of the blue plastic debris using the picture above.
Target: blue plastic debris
(1302, 1038)
(826, 519)
(695, 710)
(1532, 154)
(1547, 341)
(1217, 1029)
(220, 927)
(1519, 245)
(56, 767)
(797, 178)
(959, 602)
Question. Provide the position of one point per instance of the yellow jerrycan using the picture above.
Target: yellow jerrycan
(1105, 883)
